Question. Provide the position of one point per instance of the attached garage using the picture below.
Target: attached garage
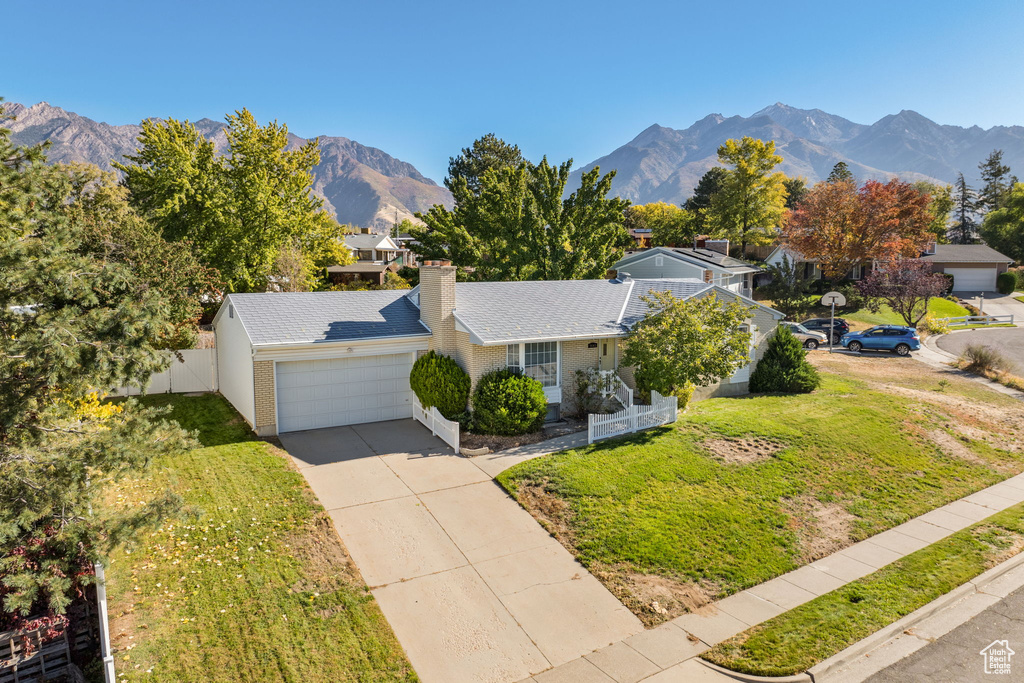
(974, 267)
(312, 394)
(295, 361)
(973, 279)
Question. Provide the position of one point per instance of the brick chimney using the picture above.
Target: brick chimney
(721, 246)
(437, 301)
(700, 241)
(709, 276)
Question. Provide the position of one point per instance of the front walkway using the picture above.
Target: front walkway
(474, 588)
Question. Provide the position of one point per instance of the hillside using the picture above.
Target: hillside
(361, 185)
(664, 164)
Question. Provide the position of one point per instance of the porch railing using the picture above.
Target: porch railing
(633, 418)
(613, 386)
(432, 419)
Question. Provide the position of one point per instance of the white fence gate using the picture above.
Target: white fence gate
(633, 419)
(433, 420)
(198, 372)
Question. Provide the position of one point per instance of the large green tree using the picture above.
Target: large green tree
(751, 203)
(964, 209)
(1003, 229)
(840, 173)
(522, 225)
(669, 224)
(682, 343)
(796, 189)
(940, 208)
(240, 210)
(996, 182)
(71, 322)
(700, 202)
(466, 171)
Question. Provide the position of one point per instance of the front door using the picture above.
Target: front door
(606, 348)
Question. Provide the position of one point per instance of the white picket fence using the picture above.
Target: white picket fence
(968, 320)
(633, 419)
(198, 372)
(432, 419)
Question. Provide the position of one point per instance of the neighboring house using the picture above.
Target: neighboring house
(375, 255)
(708, 261)
(295, 361)
(974, 267)
(642, 237)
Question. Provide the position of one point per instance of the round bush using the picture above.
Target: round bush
(1006, 283)
(439, 381)
(507, 403)
(784, 368)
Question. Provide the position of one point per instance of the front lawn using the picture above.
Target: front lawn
(811, 633)
(255, 586)
(741, 490)
(939, 308)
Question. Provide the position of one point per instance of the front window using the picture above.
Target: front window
(538, 360)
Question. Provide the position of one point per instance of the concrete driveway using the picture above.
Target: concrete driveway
(993, 303)
(474, 588)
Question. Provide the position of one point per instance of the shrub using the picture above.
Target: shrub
(590, 390)
(1006, 283)
(981, 359)
(933, 325)
(784, 368)
(949, 283)
(439, 381)
(508, 403)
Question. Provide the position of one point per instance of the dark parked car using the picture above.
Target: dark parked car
(895, 338)
(821, 325)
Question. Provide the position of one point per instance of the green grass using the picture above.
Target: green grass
(660, 503)
(1019, 298)
(939, 308)
(800, 638)
(255, 587)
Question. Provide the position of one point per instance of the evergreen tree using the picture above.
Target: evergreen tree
(707, 187)
(466, 171)
(71, 322)
(796, 189)
(996, 182)
(840, 174)
(964, 208)
(784, 368)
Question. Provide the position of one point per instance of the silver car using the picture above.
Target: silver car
(810, 340)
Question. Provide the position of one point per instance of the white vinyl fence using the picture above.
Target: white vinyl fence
(633, 419)
(198, 372)
(433, 420)
(969, 320)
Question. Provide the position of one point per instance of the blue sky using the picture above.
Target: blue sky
(420, 80)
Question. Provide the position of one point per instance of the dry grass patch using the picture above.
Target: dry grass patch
(743, 450)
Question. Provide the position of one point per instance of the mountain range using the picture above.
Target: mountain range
(367, 187)
(360, 185)
(664, 164)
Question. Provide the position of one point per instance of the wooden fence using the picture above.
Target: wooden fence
(432, 419)
(633, 418)
(196, 370)
(48, 659)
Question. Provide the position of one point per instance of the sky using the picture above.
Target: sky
(421, 80)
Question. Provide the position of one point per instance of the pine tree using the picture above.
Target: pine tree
(784, 368)
(964, 207)
(840, 174)
(707, 187)
(997, 181)
(71, 323)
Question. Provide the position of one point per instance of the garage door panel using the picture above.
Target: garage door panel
(973, 279)
(342, 391)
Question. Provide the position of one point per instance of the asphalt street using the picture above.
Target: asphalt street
(1009, 341)
(957, 656)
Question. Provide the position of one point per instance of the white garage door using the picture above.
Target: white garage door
(343, 391)
(973, 279)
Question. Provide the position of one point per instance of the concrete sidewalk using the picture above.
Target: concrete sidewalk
(474, 588)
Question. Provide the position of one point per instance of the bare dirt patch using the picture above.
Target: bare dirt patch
(952, 446)
(499, 443)
(742, 451)
(821, 528)
(652, 598)
(553, 513)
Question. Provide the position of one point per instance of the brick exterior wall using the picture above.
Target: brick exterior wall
(575, 356)
(266, 408)
(437, 301)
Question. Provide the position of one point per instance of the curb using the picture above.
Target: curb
(751, 678)
(885, 634)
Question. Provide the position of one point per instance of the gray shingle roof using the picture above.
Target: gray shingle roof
(966, 253)
(505, 312)
(701, 257)
(366, 241)
(303, 317)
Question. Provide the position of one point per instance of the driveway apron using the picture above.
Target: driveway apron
(474, 588)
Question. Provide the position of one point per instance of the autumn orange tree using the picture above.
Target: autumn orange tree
(839, 226)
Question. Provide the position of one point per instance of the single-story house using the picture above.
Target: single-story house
(373, 247)
(708, 261)
(295, 361)
(974, 267)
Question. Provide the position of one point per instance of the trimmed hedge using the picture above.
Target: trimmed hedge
(507, 403)
(784, 368)
(1006, 283)
(439, 381)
